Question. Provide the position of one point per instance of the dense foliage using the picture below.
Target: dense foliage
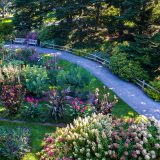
(125, 68)
(35, 79)
(14, 143)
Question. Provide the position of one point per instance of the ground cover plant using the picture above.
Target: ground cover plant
(14, 143)
(37, 132)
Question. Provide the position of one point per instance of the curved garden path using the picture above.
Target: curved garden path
(129, 92)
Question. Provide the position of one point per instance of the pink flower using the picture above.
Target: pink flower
(60, 139)
(134, 154)
(50, 153)
(126, 153)
(73, 102)
(82, 111)
(28, 99)
(36, 104)
(122, 158)
(126, 145)
(80, 102)
(50, 140)
(78, 107)
(114, 155)
(116, 145)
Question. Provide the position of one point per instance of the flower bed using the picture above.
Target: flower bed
(101, 137)
(27, 74)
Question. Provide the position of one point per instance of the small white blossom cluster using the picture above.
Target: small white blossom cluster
(89, 135)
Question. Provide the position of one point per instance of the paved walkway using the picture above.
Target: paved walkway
(130, 93)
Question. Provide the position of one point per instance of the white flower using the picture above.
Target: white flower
(97, 155)
(88, 154)
(144, 152)
(157, 146)
(88, 150)
(137, 151)
(93, 148)
(149, 135)
(106, 153)
(141, 142)
(109, 152)
(74, 143)
(147, 157)
(153, 156)
(99, 146)
(145, 140)
(153, 152)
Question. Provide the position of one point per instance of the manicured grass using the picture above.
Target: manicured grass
(37, 135)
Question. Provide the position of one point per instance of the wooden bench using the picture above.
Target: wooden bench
(32, 42)
(20, 40)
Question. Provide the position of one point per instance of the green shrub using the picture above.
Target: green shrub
(127, 69)
(14, 143)
(6, 30)
(77, 79)
(153, 94)
(35, 79)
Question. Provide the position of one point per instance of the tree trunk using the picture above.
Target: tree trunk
(3, 13)
(120, 23)
(97, 16)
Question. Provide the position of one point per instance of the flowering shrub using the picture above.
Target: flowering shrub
(9, 74)
(14, 143)
(100, 137)
(78, 108)
(31, 108)
(85, 138)
(24, 54)
(12, 97)
(105, 104)
(132, 140)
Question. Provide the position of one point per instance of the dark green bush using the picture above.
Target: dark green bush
(14, 143)
(125, 68)
(6, 30)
